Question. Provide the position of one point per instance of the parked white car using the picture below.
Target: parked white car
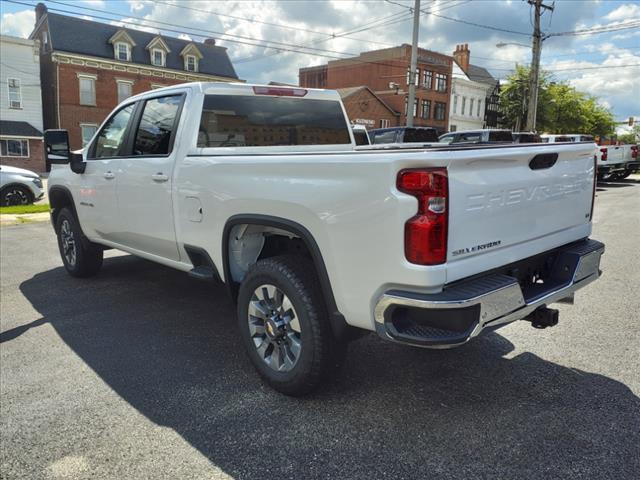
(19, 186)
(263, 188)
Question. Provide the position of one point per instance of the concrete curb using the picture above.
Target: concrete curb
(17, 219)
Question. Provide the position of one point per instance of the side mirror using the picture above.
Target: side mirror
(57, 146)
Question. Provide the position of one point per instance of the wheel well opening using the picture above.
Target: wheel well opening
(58, 199)
(250, 243)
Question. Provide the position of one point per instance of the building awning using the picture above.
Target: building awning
(12, 128)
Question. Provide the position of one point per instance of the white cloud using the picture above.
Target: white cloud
(95, 3)
(624, 12)
(184, 36)
(18, 24)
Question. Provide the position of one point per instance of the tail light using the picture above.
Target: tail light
(634, 151)
(604, 155)
(425, 234)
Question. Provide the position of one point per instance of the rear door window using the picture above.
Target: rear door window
(385, 137)
(420, 135)
(586, 138)
(500, 136)
(360, 137)
(157, 126)
(471, 137)
(252, 121)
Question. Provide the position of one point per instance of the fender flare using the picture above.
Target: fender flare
(338, 322)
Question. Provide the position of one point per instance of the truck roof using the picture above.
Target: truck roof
(237, 88)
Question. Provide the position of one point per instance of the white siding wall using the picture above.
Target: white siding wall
(463, 87)
(20, 60)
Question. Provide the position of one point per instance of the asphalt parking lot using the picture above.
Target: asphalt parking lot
(139, 373)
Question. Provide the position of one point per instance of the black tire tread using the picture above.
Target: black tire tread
(88, 255)
(328, 352)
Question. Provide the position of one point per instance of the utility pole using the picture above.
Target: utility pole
(414, 63)
(536, 50)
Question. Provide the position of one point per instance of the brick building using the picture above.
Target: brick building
(88, 67)
(386, 73)
(366, 108)
(20, 104)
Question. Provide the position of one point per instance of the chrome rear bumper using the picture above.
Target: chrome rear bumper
(465, 309)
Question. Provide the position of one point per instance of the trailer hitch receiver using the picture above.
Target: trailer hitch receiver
(543, 317)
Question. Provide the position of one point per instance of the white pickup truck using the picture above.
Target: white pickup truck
(615, 162)
(263, 188)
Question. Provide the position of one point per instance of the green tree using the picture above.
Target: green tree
(632, 137)
(561, 108)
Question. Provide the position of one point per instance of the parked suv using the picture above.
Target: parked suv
(19, 186)
(478, 136)
(404, 135)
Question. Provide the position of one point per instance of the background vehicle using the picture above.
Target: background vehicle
(403, 135)
(19, 186)
(477, 136)
(360, 135)
(546, 138)
(317, 240)
(526, 137)
(617, 162)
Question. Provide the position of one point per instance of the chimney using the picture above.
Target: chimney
(41, 11)
(461, 56)
(210, 41)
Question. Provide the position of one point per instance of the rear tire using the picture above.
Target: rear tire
(285, 327)
(80, 257)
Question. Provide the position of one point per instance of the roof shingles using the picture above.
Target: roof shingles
(85, 37)
(18, 129)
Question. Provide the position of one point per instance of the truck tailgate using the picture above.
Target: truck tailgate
(503, 197)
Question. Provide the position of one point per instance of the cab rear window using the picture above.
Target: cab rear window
(249, 121)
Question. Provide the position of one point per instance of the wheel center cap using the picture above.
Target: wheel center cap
(273, 327)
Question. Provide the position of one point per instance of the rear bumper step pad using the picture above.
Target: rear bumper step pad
(466, 308)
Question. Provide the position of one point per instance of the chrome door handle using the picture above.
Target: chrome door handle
(160, 177)
(109, 175)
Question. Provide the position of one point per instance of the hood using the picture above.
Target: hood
(20, 171)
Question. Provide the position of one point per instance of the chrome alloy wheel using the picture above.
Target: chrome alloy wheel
(68, 242)
(274, 328)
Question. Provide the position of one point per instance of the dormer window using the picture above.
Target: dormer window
(122, 45)
(157, 57)
(191, 63)
(191, 56)
(123, 51)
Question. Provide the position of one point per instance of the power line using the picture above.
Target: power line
(176, 25)
(597, 30)
(466, 22)
(278, 25)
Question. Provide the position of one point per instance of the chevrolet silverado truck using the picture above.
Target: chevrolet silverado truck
(317, 240)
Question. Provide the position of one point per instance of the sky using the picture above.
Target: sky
(606, 65)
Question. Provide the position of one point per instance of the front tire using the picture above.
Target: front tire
(285, 327)
(80, 257)
(14, 195)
